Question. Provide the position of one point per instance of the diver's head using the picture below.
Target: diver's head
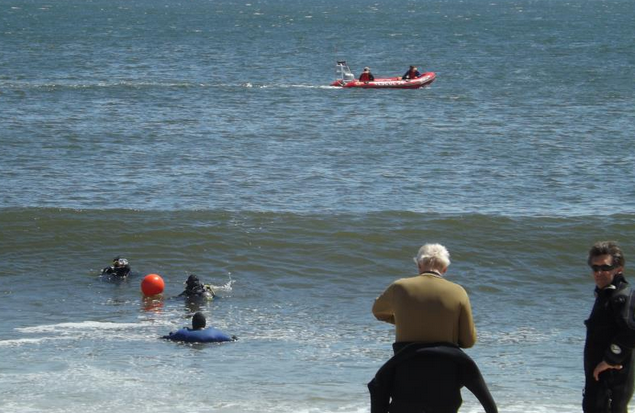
(198, 321)
(119, 262)
(120, 266)
(192, 282)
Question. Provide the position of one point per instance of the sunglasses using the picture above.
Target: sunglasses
(604, 267)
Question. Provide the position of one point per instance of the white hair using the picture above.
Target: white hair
(434, 256)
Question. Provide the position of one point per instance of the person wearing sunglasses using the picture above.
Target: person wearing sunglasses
(610, 338)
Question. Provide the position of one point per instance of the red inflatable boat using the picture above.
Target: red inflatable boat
(348, 80)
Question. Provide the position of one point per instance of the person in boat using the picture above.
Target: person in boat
(366, 75)
(427, 378)
(120, 268)
(195, 289)
(412, 73)
(198, 333)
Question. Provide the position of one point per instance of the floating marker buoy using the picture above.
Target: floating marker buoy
(152, 284)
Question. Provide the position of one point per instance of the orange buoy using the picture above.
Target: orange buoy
(152, 284)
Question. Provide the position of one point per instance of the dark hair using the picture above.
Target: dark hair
(198, 321)
(607, 248)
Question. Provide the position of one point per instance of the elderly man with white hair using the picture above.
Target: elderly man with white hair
(428, 308)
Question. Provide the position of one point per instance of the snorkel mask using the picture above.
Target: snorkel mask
(120, 262)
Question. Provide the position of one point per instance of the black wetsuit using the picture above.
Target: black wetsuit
(424, 377)
(610, 338)
(120, 272)
(195, 289)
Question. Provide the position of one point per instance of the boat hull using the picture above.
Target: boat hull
(389, 83)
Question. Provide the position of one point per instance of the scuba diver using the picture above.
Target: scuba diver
(120, 268)
(195, 289)
(198, 333)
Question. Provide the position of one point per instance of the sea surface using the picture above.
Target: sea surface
(201, 136)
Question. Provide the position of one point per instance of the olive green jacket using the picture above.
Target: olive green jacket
(427, 308)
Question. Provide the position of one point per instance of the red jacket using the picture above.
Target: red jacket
(366, 77)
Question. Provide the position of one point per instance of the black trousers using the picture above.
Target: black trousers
(427, 378)
(415, 390)
(611, 394)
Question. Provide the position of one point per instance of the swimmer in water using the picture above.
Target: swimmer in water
(120, 268)
(194, 289)
(198, 321)
(198, 333)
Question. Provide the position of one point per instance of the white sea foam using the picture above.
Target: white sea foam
(92, 330)
(24, 341)
(226, 288)
(84, 325)
(519, 335)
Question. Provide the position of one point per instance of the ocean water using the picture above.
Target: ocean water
(202, 137)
